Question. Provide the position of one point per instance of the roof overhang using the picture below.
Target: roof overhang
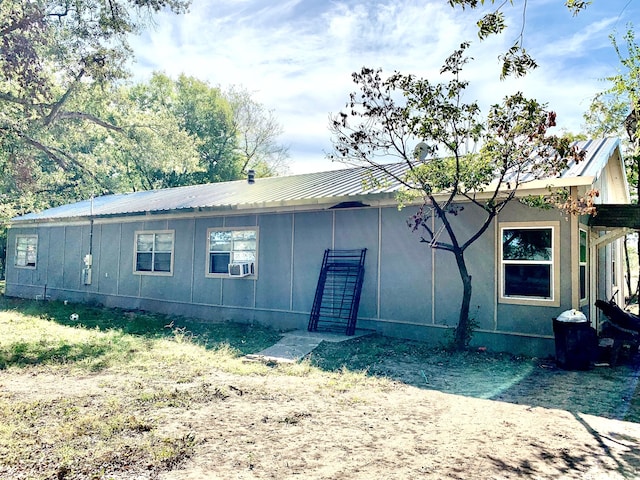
(609, 216)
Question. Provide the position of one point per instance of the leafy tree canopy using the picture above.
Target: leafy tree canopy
(428, 127)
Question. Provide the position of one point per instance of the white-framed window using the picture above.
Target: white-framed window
(529, 263)
(584, 264)
(26, 251)
(153, 252)
(230, 246)
(614, 259)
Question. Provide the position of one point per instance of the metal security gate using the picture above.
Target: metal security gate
(337, 299)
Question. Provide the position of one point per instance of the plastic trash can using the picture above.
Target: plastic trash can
(576, 342)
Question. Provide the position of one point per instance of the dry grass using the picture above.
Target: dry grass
(130, 395)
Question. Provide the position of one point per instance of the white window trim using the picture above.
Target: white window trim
(554, 301)
(135, 252)
(584, 300)
(15, 258)
(230, 229)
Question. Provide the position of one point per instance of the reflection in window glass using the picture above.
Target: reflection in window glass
(527, 262)
(154, 252)
(583, 265)
(526, 244)
(231, 246)
(26, 251)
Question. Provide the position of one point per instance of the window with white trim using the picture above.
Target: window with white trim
(154, 252)
(528, 263)
(584, 255)
(26, 251)
(227, 246)
(614, 258)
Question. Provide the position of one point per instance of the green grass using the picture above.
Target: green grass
(94, 338)
(149, 362)
(131, 371)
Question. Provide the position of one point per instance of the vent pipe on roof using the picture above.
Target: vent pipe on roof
(251, 176)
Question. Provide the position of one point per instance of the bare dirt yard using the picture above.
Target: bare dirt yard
(368, 408)
(282, 426)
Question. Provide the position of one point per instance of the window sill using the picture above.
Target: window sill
(155, 274)
(533, 302)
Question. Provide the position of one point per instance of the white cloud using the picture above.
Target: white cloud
(297, 56)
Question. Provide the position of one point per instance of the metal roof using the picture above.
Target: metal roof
(295, 190)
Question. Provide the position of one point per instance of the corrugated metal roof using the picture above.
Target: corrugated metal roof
(321, 187)
(597, 155)
(273, 191)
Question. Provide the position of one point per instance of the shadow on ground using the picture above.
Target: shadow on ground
(601, 391)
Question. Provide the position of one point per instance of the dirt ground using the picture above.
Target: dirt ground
(544, 423)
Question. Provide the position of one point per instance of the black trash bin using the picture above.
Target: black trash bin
(576, 341)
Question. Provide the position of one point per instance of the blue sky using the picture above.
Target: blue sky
(297, 56)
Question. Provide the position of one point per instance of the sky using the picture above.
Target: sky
(296, 56)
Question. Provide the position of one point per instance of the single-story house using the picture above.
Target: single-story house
(169, 251)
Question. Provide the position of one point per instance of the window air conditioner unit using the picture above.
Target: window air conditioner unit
(240, 269)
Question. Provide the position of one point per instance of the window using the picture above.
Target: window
(154, 252)
(583, 264)
(528, 264)
(614, 258)
(26, 251)
(227, 246)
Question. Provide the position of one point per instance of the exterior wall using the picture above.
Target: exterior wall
(409, 289)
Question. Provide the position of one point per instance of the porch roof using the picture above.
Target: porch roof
(616, 216)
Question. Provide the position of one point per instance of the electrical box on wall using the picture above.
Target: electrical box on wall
(86, 276)
(86, 271)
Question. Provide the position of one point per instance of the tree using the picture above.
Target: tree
(257, 129)
(53, 49)
(204, 114)
(616, 111)
(516, 61)
(388, 116)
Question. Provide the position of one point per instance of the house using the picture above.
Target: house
(169, 251)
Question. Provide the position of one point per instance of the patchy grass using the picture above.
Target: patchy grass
(106, 393)
(147, 363)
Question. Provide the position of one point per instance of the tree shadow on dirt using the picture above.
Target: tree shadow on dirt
(601, 391)
(618, 452)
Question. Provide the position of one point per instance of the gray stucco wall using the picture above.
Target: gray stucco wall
(409, 290)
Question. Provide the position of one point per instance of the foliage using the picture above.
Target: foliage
(388, 115)
(615, 110)
(257, 130)
(203, 115)
(516, 60)
(53, 50)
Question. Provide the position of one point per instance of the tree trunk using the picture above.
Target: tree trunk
(463, 330)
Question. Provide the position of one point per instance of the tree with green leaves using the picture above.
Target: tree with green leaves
(53, 49)
(204, 114)
(387, 117)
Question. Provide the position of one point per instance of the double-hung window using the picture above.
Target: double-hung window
(227, 246)
(26, 251)
(529, 264)
(154, 252)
